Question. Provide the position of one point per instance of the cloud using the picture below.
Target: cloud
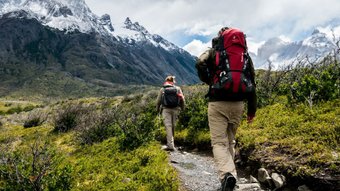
(196, 47)
(253, 46)
(260, 19)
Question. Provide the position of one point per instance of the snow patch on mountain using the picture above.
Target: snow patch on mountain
(133, 32)
(280, 51)
(330, 31)
(74, 15)
(69, 15)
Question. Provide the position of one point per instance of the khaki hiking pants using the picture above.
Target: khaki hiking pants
(224, 118)
(170, 117)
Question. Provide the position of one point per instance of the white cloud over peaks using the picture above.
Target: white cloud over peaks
(196, 47)
(261, 19)
(254, 46)
(285, 38)
(331, 32)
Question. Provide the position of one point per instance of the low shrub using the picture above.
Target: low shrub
(68, 118)
(138, 130)
(35, 119)
(37, 168)
(313, 82)
(29, 108)
(132, 122)
(33, 122)
(13, 110)
(97, 127)
(194, 120)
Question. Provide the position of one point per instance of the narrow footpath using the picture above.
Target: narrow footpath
(197, 173)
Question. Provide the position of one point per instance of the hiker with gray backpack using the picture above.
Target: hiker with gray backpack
(228, 70)
(170, 101)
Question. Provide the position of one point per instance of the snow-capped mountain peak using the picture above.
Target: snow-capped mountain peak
(69, 15)
(66, 37)
(75, 15)
(134, 26)
(105, 21)
(132, 32)
(317, 39)
(281, 51)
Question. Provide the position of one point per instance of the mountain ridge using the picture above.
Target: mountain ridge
(281, 52)
(107, 53)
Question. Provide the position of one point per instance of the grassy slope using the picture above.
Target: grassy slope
(61, 85)
(296, 139)
(102, 166)
(300, 140)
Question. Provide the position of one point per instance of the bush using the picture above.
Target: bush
(313, 82)
(300, 81)
(131, 121)
(13, 110)
(97, 127)
(69, 118)
(28, 108)
(194, 119)
(35, 119)
(136, 124)
(268, 84)
(138, 130)
(33, 122)
(38, 168)
(136, 120)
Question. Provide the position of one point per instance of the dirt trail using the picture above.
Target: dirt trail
(197, 173)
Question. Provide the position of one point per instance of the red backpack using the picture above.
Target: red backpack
(230, 74)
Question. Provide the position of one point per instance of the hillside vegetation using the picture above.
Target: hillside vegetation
(114, 143)
(85, 144)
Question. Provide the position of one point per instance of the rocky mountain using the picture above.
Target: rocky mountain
(280, 51)
(61, 44)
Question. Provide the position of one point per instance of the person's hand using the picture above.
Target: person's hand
(250, 118)
(158, 109)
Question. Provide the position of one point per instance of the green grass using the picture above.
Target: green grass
(298, 140)
(100, 166)
(104, 166)
(11, 107)
(295, 138)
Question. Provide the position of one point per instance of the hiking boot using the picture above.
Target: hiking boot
(167, 148)
(228, 182)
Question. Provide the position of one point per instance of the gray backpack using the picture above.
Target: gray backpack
(170, 98)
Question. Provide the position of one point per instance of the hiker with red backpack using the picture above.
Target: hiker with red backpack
(170, 101)
(228, 70)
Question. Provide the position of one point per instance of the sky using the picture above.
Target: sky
(191, 24)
